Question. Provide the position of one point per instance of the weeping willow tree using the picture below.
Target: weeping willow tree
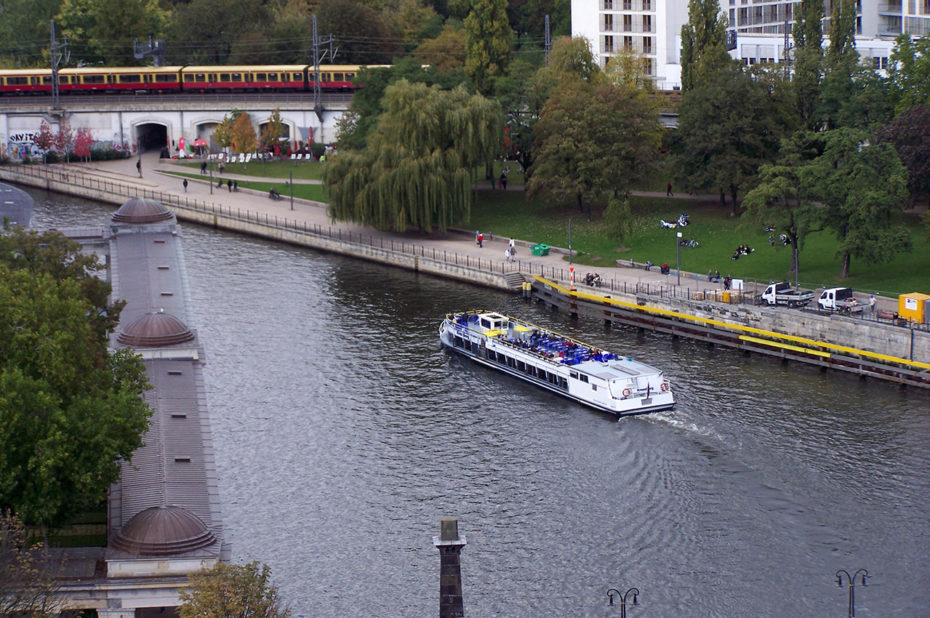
(418, 167)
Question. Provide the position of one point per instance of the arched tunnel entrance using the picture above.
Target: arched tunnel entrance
(152, 136)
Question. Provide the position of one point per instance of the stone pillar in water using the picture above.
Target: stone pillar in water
(450, 546)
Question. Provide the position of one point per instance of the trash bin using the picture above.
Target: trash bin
(726, 297)
(540, 249)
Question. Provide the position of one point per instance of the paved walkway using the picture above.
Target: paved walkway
(154, 177)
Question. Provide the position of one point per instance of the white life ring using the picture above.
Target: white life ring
(626, 393)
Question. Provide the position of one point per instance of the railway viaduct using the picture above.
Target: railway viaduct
(158, 121)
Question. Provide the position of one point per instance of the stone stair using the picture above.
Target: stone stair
(514, 280)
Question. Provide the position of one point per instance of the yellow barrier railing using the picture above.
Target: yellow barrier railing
(736, 327)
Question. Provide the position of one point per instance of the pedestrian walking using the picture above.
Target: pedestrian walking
(139, 167)
(480, 239)
(503, 181)
(185, 185)
(235, 185)
(872, 304)
(229, 185)
(668, 190)
(203, 167)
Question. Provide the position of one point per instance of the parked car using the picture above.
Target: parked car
(841, 299)
(783, 294)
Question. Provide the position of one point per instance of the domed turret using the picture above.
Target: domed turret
(163, 531)
(141, 210)
(154, 330)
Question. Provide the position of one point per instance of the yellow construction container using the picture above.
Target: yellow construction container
(914, 307)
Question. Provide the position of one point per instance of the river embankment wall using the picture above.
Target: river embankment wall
(880, 338)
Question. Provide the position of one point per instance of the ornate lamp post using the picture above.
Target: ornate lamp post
(852, 586)
(623, 595)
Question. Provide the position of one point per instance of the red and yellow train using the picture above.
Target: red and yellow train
(199, 79)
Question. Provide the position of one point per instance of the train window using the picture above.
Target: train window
(298, 77)
(147, 78)
(168, 78)
(224, 77)
(237, 77)
(17, 81)
(337, 77)
(272, 77)
(211, 77)
(349, 76)
(47, 79)
(261, 77)
(130, 79)
(93, 79)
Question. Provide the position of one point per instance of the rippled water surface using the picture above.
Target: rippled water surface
(343, 433)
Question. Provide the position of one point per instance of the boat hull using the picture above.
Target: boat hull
(587, 375)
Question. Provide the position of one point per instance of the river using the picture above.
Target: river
(343, 433)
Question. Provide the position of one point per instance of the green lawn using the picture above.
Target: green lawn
(303, 170)
(508, 213)
(301, 191)
(511, 215)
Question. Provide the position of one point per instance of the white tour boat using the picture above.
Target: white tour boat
(608, 382)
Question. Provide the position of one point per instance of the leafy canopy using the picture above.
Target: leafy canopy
(232, 591)
(70, 411)
(417, 168)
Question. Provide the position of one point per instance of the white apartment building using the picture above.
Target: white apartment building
(652, 28)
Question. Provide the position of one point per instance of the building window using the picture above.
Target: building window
(608, 5)
(647, 45)
(647, 23)
(628, 43)
(647, 66)
(608, 44)
(647, 5)
(608, 23)
(627, 5)
(628, 23)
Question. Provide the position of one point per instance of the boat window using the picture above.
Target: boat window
(521, 366)
(573, 374)
(594, 387)
(583, 377)
(485, 323)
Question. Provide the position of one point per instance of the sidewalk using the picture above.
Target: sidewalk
(315, 213)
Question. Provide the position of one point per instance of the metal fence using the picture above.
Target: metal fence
(691, 289)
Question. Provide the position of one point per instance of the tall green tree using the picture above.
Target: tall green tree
(103, 31)
(730, 125)
(70, 411)
(863, 190)
(215, 31)
(703, 42)
(909, 133)
(842, 33)
(233, 590)
(782, 201)
(587, 152)
(346, 20)
(910, 71)
(488, 39)
(418, 166)
(808, 68)
(25, 32)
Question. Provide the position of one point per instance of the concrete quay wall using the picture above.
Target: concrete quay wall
(877, 337)
(836, 329)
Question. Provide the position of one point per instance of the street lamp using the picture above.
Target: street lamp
(678, 255)
(623, 596)
(852, 586)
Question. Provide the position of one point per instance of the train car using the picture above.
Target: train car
(276, 78)
(334, 77)
(25, 81)
(119, 79)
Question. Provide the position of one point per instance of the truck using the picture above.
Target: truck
(840, 299)
(783, 294)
